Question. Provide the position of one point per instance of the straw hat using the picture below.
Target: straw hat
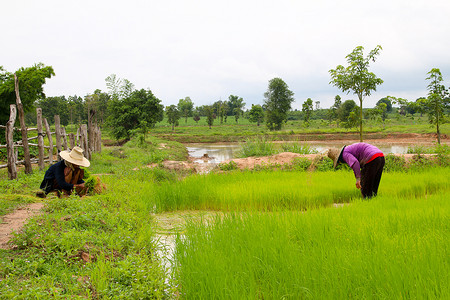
(75, 157)
(336, 155)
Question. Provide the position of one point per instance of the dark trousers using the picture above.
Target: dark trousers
(371, 176)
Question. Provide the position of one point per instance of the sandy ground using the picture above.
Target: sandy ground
(14, 221)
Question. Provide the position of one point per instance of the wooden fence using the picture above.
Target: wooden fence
(88, 137)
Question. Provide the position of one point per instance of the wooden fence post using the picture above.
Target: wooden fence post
(98, 147)
(72, 140)
(84, 141)
(64, 136)
(50, 141)
(91, 134)
(26, 150)
(40, 138)
(58, 136)
(12, 170)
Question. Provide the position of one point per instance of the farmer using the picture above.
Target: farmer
(65, 175)
(367, 162)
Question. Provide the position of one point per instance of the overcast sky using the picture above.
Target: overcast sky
(208, 49)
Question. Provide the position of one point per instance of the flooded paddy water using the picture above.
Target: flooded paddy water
(218, 153)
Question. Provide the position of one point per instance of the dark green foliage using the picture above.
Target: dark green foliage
(173, 115)
(131, 112)
(31, 81)
(277, 103)
(256, 114)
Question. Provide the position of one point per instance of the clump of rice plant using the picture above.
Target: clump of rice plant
(394, 163)
(257, 147)
(298, 148)
(232, 165)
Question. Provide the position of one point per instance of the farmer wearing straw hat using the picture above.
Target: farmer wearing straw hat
(367, 162)
(66, 174)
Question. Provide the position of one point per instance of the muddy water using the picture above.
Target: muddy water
(222, 152)
(217, 152)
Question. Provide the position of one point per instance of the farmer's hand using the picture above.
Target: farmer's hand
(80, 185)
(358, 184)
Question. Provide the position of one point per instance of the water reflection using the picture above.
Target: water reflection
(222, 152)
(217, 152)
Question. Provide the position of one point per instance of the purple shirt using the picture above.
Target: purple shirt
(356, 155)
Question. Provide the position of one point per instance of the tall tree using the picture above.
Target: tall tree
(332, 112)
(140, 110)
(98, 101)
(437, 100)
(210, 115)
(357, 78)
(256, 114)
(345, 109)
(173, 115)
(235, 105)
(31, 81)
(388, 103)
(185, 107)
(277, 102)
(307, 108)
(52, 106)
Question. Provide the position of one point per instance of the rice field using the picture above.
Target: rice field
(392, 247)
(267, 191)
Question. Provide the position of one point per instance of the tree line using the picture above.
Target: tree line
(127, 111)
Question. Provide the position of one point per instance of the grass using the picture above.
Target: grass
(388, 248)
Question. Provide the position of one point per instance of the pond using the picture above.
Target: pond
(222, 152)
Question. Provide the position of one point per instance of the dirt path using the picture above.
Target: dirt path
(14, 221)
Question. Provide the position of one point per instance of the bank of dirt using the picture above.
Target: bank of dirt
(286, 158)
(13, 222)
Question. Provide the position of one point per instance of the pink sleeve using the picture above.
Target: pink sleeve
(354, 164)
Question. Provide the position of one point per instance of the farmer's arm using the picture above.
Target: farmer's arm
(353, 162)
(60, 178)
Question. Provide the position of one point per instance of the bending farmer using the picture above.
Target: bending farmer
(367, 162)
(66, 175)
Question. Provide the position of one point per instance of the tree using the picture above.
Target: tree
(277, 102)
(235, 106)
(173, 115)
(332, 112)
(345, 109)
(210, 115)
(386, 101)
(256, 114)
(185, 107)
(379, 112)
(31, 81)
(98, 101)
(77, 113)
(140, 110)
(437, 100)
(52, 106)
(357, 78)
(307, 108)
